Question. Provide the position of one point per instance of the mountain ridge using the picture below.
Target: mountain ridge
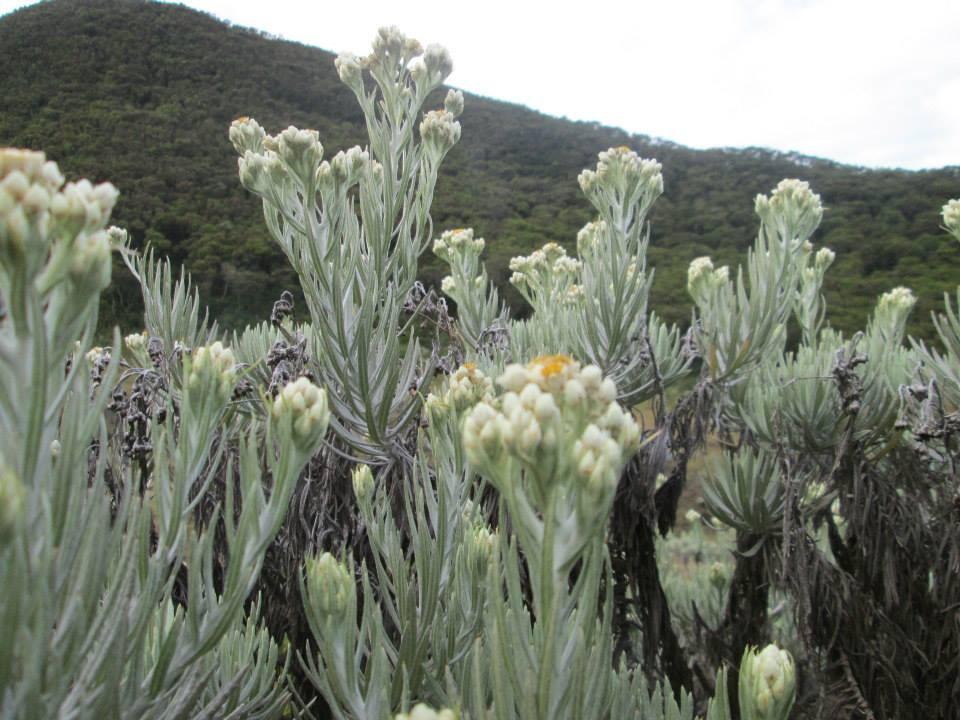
(142, 93)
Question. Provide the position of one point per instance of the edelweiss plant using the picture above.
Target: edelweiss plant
(476, 536)
(110, 605)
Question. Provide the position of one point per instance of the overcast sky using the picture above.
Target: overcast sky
(868, 82)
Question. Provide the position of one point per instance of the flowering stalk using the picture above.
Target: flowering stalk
(354, 227)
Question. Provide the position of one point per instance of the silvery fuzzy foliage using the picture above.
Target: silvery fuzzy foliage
(110, 605)
(844, 473)
(448, 621)
(592, 306)
(353, 228)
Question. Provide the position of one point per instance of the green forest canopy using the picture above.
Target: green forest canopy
(142, 94)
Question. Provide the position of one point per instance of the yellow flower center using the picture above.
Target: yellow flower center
(551, 365)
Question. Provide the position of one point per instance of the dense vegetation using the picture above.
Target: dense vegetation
(140, 93)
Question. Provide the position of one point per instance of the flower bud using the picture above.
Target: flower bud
(350, 70)
(951, 217)
(301, 151)
(767, 683)
(438, 62)
(362, 483)
(11, 502)
(453, 103)
(893, 308)
(440, 131)
(823, 259)
(90, 265)
(793, 210)
(302, 407)
(330, 586)
(246, 135)
(425, 712)
(212, 370)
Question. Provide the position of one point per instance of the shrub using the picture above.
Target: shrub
(469, 526)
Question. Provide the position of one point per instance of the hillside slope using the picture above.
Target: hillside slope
(142, 94)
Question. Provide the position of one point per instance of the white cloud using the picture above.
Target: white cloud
(869, 82)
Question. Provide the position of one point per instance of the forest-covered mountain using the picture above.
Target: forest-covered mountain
(142, 94)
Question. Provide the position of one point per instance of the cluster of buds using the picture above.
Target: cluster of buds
(137, 345)
(299, 150)
(703, 279)
(893, 308)
(393, 57)
(464, 388)
(391, 48)
(212, 370)
(479, 544)
(330, 586)
(767, 684)
(267, 160)
(440, 131)
(246, 135)
(951, 218)
(36, 206)
(346, 168)
(558, 423)
(590, 237)
(301, 409)
(823, 259)
(546, 276)
(622, 178)
(432, 68)
(793, 211)
(425, 712)
(453, 244)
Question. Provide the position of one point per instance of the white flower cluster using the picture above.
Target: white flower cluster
(558, 420)
(453, 243)
(304, 406)
(703, 279)
(899, 300)
(792, 209)
(392, 46)
(440, 132)
(425, 712)
(622, 167)
(35, 205)
(545, 276)
(951, 217)
(464, 388)
(890, 316)
(272, 160)
(394, 54)
(135, 342)
(622, 178)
